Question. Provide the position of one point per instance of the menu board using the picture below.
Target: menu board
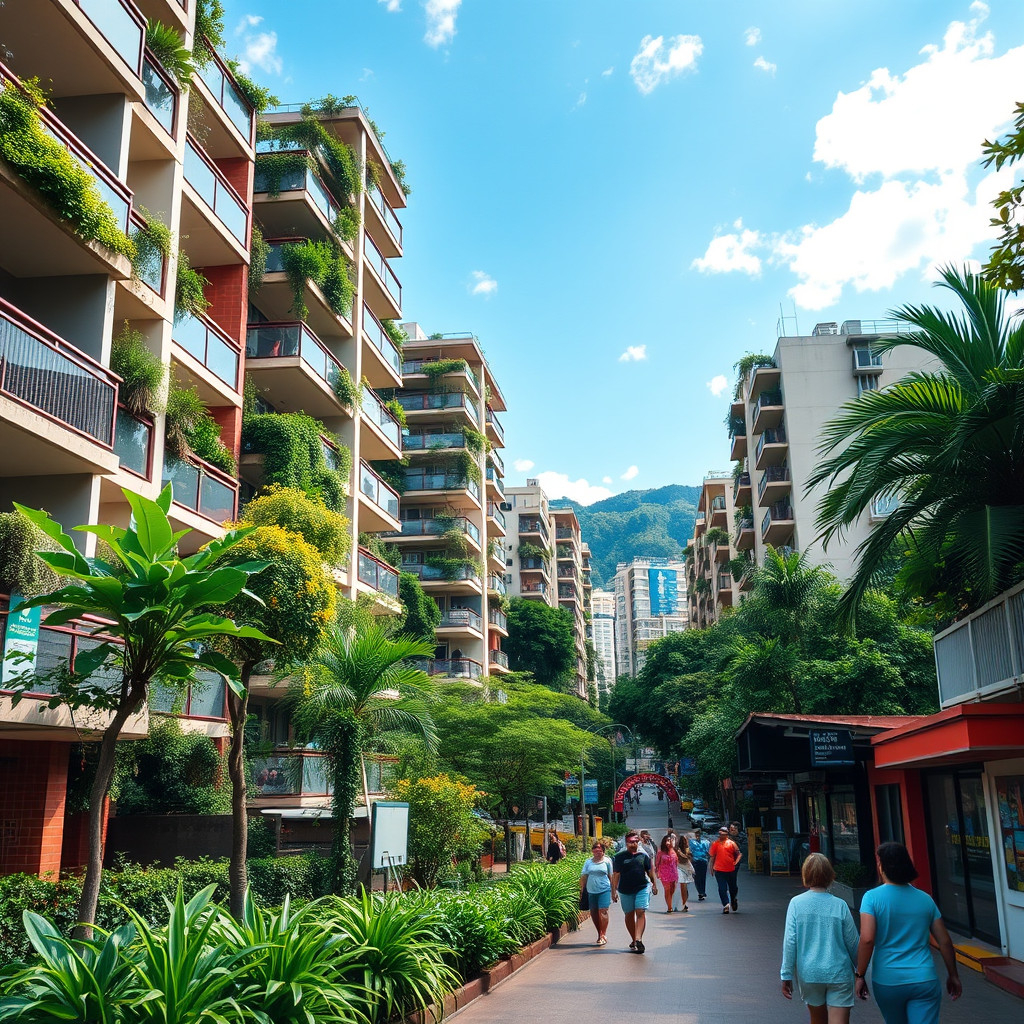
(1010, 797)
(778, 853)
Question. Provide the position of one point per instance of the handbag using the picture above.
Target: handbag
(584, 900)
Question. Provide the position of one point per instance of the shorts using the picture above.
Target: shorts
(635, 900)
(600, 900)
(836, 993)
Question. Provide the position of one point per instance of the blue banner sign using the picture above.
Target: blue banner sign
(664, 589)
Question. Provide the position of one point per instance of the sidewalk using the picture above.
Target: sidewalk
(700, 968)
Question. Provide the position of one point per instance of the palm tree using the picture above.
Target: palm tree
(948, 445)
(783, 590)
(361, 683)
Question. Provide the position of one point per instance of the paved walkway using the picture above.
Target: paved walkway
(700, 968)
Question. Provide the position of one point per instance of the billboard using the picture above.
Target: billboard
(664, 589)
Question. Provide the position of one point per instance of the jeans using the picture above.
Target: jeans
(909, 1004)
(700, 877)
(727, 887)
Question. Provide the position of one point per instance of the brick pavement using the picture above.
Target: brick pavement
(700, 968)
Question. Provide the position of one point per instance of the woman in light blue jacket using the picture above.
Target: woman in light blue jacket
(819, 949)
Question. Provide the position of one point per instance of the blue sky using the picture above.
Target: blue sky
(616, 196)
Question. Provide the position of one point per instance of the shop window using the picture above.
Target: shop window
(1010, 795)
(845, 841)
(890, 814)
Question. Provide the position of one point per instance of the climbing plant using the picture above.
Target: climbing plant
(395, 333)
(143, 375)
(152, 242)
(259, 250)
(345, 388)
(189, 295)
(327, 266)
(191, 432)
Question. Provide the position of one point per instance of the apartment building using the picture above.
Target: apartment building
(547, 540)
(776, 426)
(711, 587)
(603, 633)
(650, 602)
(452, 523)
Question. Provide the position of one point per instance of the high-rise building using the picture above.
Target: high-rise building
(650, 602)
(603, 630)
(452, 521)
(710, 584)
(776, 429)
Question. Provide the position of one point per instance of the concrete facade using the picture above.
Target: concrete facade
(603, 629)
(635, 625)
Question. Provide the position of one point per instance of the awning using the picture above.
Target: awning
(966, 733)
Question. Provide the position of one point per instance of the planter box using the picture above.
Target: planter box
(850, 894)
(496, 975)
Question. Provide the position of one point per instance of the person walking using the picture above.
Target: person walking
(596, 880)
(647, 844)
(631, 871)
(684, 868)
(896, 922)
(723, 860)
(819, 947)
(666, 868)
(699, 849)
(556, 848)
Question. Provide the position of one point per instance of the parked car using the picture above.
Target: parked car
(697, 815)
(711, 822)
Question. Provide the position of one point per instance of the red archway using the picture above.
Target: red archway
(644, 779)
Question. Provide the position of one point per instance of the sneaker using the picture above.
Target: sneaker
(640, 947)
(632, 947)
(735, 905)
(701, 899)
(602, 941)
(725, 910)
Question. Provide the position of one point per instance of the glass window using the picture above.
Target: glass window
(890, 813)
(845, 840)
(1010, 796)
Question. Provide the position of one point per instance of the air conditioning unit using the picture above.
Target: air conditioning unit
(505, 506)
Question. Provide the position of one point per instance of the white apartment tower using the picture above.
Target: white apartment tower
(650, 602)
(602, 626)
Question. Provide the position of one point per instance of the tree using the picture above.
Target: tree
(948, 445)
(422, 615)
(540, 640)
(156, 625)
(1006, 264)
(360, 683)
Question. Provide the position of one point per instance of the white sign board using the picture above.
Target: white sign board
(389, 835)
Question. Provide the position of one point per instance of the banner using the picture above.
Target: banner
(831, 747)
(22, 635)
(664, 589)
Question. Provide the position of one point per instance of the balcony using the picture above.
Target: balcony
(533, 526)
(151, 269)
(232, 127)
(383, 289)
(435, 528)
(380, 502)
(461, 621)
(566, 592)
(289, 773)
(433, 442)
(778, 524)
(738, 442)
(496, 460)
(533, 589)
(767, 412)
(496, 585)
(203, 489)
(301, 204)
(384, 369)
(377, 575)
(277, 297)
(497, 618)
(161, 98)
(416, 368)
(293, 368)
(566, 533)
(495, 482)
(498, 658)
(211, 348)
(764, 378)
(214, 218)
(494, 427)
(464, 581)
(57, 405)
(773, 485)
(772, 448)
(383, 223)
(741, 490)
(384, 438)
(424, 480)
(415, 402)
(700, 524)
(718, 513)
(744, 540)
(453, 668)
(495, 513)
(724, 581)
(133, 443)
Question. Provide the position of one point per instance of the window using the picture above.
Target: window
(890, 813)
(884, 506)
(866, 382)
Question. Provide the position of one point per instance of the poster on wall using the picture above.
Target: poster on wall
(1010, 796)
(664, 590)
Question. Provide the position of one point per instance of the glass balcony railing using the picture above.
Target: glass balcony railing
(458, 668)
(533, 588)
(496, 617)
(375, 573)
(497, 461)
(419, 480)
(150, 264)
(215, 191)
(436, 527)
(290, 773)
(564, 533)
(383, 496)
(387, 214)
(301, 179)
(432, 442)
(161, 94)
(217, 78)
(497, 584)
(377, 412)
(533, 565)
(133, 442)
(529, 524)
(495, 478)
(772, 475)
(431, 573)
(202, 488)
(121, 24)
(461, 618)
(413, 366)
(204, 340)
(495, 513)
(379, 338)
(498, 657)
(418, 401)
(493, 421)
(383, 270)
(292, 338)
(41, 370)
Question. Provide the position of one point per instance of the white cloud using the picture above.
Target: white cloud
(441, 15)
(579, 103)
(634, 354)
(730, 252)
(523, 465)
(248, 21)
(657, 60)
(717, 384)
(607, 72)
(391, 5)
(752, 36)
(483, 284)
(766, 65)
(558, 485)
(630, 473)
(606, 479)
(261, 52)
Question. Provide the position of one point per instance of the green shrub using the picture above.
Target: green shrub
(143, 375)
(152, 245)
(557, 892)
(614, 829)
(345, 388)
(189, 295)
(293, 509)
(259, 250)
(327, 266)
(190, 430)
(21, 569)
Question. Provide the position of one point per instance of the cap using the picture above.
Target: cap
(723, 829)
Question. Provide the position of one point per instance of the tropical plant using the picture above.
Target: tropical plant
(189, 295)
(745, 366)
(716, 535)
(165, 44)
(294, 510)
(557, 892)
(948, 446)
(357, 685)
(259, 97)
(153, 608)
(21, 569)
(1005, 266)
(143, 375)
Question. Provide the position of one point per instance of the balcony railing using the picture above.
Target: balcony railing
(301, 179)
(202, 488)
(494, 477)
(379, 338)
(531, 524)
(458, 618)
(375, 573)
(459, 668)
(133, 443)
(744, 524)
(772, 475)
(496, 617)
(216, 192)
(725, 581)
(533, 588)
(495, 513)
(718, 504)
(436, 527)
(414, 366)
(203, 339)
(376, 260)
(377, 412)
(498, 657)
(496, 460)
(564, 533)
(493, 420)
(290, 773)
(497, 584)
(292, 338)
(431, 573)
(431, 442)
(42, 371)
(776, 436)
(150, 265)
(161, 94)
(767, 399)
(122, 25)
(421, 480)
(743, 480)
(533, 565)
(383, 496)
(217, 78)
(779, 512)
(394, 225)
(418, 401)
(566, 592)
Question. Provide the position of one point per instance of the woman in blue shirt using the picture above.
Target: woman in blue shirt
(896, 921)
(596, 877)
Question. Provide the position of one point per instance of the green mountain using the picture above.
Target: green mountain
(655, 523)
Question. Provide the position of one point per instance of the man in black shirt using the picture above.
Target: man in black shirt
(631, 870)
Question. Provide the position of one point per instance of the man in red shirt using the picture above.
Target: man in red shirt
(723, 859)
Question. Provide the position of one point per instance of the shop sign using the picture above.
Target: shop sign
(783, 786)
(831, 747)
